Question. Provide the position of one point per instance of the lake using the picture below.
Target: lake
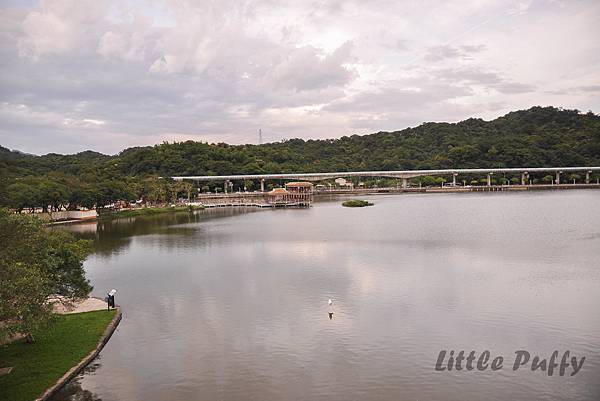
(231, 304)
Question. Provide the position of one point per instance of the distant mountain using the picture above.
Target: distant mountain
(537, 137)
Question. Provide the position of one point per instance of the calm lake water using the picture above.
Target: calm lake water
(232, 304)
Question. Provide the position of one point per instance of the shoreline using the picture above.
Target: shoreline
(75, 370)
(128, 213)
(146, 211)
(228, 199)
(458, 189)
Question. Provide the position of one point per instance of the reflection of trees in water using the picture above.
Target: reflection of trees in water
(72, 391)
(112, 236)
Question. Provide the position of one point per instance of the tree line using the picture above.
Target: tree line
(59, 191)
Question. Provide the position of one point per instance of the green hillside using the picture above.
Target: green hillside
(538, 137)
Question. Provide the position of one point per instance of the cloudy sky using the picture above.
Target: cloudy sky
(105, 75)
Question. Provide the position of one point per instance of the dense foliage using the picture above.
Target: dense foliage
(538, 137)
(356, 203)
(36, 263)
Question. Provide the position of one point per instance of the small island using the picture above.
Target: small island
(356, 203)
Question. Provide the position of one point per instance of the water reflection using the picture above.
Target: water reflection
(73, 391)
(111, 237)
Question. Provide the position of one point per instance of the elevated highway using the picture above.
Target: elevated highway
(401, 174)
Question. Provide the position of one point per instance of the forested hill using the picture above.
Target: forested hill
(540, 136)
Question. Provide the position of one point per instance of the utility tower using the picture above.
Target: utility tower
(260, 136)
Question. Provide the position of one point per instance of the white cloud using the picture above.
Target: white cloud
(58, 26)
(93, 121)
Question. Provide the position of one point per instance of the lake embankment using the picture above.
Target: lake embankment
(60, 352)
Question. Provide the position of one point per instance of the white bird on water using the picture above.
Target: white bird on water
(330, 302)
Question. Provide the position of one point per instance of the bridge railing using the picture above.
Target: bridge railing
(405, 174)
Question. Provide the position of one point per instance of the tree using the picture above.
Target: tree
(427, 180)
(178, 188)
(188, 188)
(82, 195)
(574, 177)
(53, 194)
(463, 154)
(65, 265)
(249, 185)
(23, 296)
(36, 263)
(20, 195)
(154, 191)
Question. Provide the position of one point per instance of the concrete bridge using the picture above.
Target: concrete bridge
(405, 175)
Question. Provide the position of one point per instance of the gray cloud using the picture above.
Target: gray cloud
(488, 79)
(514, 87)
(78, 74)
(391, 98)
(590, 88)
(303, 69)
(473, 48)
(443, 52)
(438, 53)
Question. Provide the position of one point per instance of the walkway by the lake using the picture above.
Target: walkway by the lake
(86, 305)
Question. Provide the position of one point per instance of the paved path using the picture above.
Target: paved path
(87, 305)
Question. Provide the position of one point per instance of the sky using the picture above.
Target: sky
(108, 75)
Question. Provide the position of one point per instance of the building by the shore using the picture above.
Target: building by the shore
(294, 194)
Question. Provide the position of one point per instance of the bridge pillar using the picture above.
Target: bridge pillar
(524, 176)
(557, 177)
(226, 186)
(489, 179)
(404, 183)
(262, 185)
(454, 179)
(587, 177)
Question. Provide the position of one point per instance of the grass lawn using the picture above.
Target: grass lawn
(56, 350)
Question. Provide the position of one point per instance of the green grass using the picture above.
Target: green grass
(356, 203)
(57, 349)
